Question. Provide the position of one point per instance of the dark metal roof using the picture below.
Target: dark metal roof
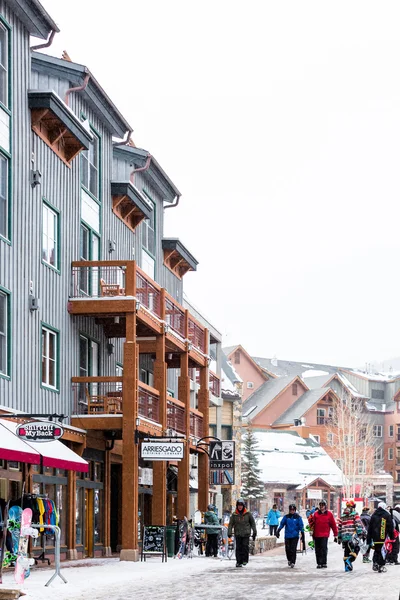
(32, 14)
(301, 406)
(125, 188)
(50, 100)
(176, 244)
(156, 173)
(94, 94)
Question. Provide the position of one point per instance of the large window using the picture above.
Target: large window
(4, 332)
(148, 231)
(49, 357)
(378, 453)
(90, 167)
(4, 64)
(320, 416)
(4, 208)
(390, 453)
(50, 241)
(362, 467)
(377, 430)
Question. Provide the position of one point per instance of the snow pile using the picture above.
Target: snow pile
(313, 373)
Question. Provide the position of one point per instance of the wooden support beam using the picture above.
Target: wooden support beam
(203, 405)
(72, 552)
(184, 464)
(107, 503)
(159, 506)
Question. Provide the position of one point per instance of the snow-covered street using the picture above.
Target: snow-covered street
(266, 576)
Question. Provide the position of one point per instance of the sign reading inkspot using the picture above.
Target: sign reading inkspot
(162, 450)
(222, 462)
(40, 431)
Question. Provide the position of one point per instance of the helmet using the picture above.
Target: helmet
(350, 504)
(322, 502)
(292, 506)
(240, 501)
(210, 507)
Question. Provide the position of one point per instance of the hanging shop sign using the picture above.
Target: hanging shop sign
(40, 431)
(162, 450)
(222, 462)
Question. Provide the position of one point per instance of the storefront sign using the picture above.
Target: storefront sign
(222, 463)
(154, 541)
(162, 450)
(40, 431)
(314, 494)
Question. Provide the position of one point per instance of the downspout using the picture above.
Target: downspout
(46, 44)
(139, 169)
(175, 202)
(125, 141)
(79, 88)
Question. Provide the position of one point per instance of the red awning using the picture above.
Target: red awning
(52, 454)
(13, 448)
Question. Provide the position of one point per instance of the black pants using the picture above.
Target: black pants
(321, 550)
(272, 529)
(291, 548)
(242, 549)
(212, 544)
(377, 557)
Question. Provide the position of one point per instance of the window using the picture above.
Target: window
(378, 454)
(363, 433)
(378, 394)
(398, 477)
(49, 357)
(237, 357)
(398, 433)
(391, 430)
(148, 264)
(315, 437)
(4, 62)
(294, 389)
(226, 432)
(149, 229)
(320, 416)
(362, 467)
(390, 453)
(4, 332)
(90, 167)
(250, 385)
(50, 236)
(4, 204)
(329, 439)
(348, 439)
(377, 430)
(119, 372)
(338, 462)
(89, 250)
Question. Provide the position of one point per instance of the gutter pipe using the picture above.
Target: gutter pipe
(125, 141)
(175, 202)
(79, 88)
(46, 44)
(139, 169)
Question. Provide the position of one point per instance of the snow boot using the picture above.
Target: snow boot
(382, 569)
(366, 559)
(239, 565)
(347, 565)
(375, 567)
(319, 566)
(324, 566)
(291, 565)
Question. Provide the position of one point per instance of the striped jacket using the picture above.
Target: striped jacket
(348, 524)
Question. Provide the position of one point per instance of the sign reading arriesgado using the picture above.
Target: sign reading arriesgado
(162, 450)
(40, 431)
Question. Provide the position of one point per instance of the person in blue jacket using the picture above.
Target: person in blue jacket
(273, 519)
(293, 524)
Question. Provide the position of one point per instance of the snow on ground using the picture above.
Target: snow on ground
(266, 576)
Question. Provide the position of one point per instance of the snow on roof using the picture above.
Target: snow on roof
(286, 457)
(313, 373)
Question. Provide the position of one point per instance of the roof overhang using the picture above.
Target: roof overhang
(177, 258)
(129, 204)
(32, 14)
(166, 188)
(93, 93)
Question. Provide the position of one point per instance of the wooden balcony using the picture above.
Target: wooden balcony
(175, 415)
(109, 290)
(196, 423)
(214, 381)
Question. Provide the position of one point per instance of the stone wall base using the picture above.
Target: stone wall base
(131, 555)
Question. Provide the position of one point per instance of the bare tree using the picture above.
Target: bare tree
(355, 446)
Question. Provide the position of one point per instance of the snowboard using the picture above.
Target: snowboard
(182, 546)
(4, 540)
(14, 526)
(23, 563)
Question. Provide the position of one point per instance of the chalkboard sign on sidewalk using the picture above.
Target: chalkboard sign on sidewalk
(153, 542)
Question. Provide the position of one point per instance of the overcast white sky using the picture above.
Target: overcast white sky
(279, 121)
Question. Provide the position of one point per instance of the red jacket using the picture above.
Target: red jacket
(322, 523)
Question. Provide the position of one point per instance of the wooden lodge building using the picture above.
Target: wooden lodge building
(92, 322)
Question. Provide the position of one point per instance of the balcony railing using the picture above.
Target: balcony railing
(117, 279)
(175, 415)
(148, 402)
(196, 423)
(324, 420)
(215, 385)
(97, 395)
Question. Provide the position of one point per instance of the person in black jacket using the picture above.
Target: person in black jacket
(380, 527)
(392, 557)
(365, 519)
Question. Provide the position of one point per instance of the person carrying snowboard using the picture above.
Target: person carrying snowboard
(273, 519)
(210, 518)
(321, 522)
(349, 528)
(242, 523)
(380, 527)
(293, 524)
(365, 519)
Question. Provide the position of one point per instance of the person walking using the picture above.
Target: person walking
(293, 524)
(273, 519)
(242, 524)
(210, 518)
(349, 528)
(380, 527)
(365, 519)
(392, 558)
(321, 522)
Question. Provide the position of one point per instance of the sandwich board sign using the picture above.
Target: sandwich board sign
(222, 462)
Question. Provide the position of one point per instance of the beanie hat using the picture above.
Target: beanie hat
(382, 505)
(350, 504)
(210, 507)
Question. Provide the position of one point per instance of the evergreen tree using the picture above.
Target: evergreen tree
(252, 485)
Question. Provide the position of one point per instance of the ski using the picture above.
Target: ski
(23, 562)
(182, 547)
